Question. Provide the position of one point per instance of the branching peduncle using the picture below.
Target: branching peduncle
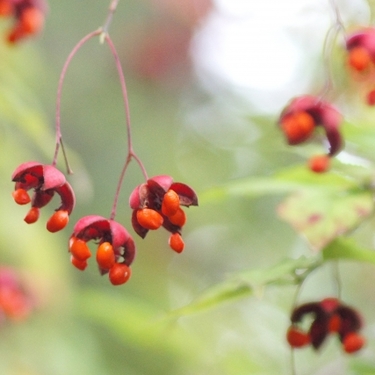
(102, 32)
(58, 100)
(131, 153)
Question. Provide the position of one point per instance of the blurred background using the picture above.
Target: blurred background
(206, 80)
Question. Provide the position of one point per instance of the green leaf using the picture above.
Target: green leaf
(245, 283)
(290, 180)
(347, 248)
(321, 216)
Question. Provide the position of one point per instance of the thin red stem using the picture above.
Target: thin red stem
(59, 90)
(103, 34)
(131, 153)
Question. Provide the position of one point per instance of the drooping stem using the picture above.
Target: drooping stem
(58, 100)
(102, 32)
(131, 153)
(103, 36)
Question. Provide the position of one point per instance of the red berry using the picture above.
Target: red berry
(79, 249)
(353, 342)
(179, 218)
(105, 256)
(80, 264)
(359, 58)
(32, 216)
(371, 97)
(119, 274)
(297, 338)
(176, 242)
(171, 203)
(58, 221)
(149, 219)
(6, 8)
(319, 163)
(21, 196)
(334, 323)
(297, 127)
(31, 20)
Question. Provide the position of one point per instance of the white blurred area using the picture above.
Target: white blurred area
(270, 50)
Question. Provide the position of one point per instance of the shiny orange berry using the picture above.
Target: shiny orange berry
(105, 256)
(297, 127)
(149, 219)
(334, 324)
(319, 163)
(6, 8)
(79, 249)
(58, 221)
(297, 338)
(21, 196)
(119, 274)
(31, 20)
(353, 342)
(32, 216)
(176, 242)
(370, 98)
(80, 264)
(171, 203)
(179, 218)
(359, 58)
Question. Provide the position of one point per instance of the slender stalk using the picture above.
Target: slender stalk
(131, 153)
(58, 100)
(103, 36)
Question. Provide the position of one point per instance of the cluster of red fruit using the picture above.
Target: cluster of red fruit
(329, 316)
(299, 120)
(15, 302)
(361, 59)
(155, 203)
(28, 17)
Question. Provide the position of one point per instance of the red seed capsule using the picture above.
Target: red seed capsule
(31, 20)
(105, 256)
(32, 216)
(370, 98)
(6, 8)
(58, 221)
(297, 127)
(21, 196)
(171, 203)
(80, 264)
(353, 342)
(119, 274)
(176, 242)
(149, 219)
(359, 58)
(297, 338)
(319, 163)
(79, 249)
(179, 218)
(334, 324)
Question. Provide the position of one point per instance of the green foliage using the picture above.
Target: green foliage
(246, 283)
